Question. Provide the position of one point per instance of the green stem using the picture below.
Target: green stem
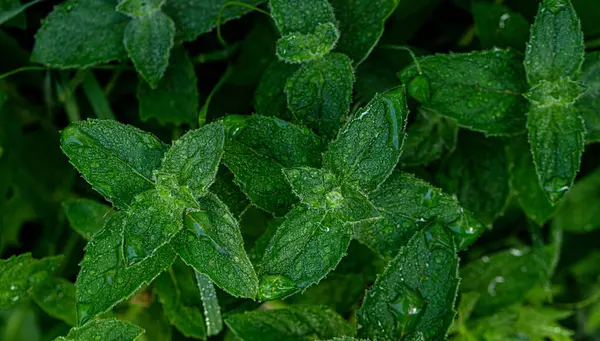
(204, 110)
(212, 311)
(407, 49)
(234, 3)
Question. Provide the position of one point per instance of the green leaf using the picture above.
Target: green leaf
(175, 99)
(525, 184)
(346, 338)
(104, 280)
(481, 90)
(270, 98)
(78, 34)
(148, 41)
(428, 138)
(260, 148)
(117, 160)
(179, 295)
(314, 187)
(498, 26)
(193, 160)
(212, 244)
(360, 157)
(300, 16)
(6, 14)
(300, 47)
(320, 92)
(577, 212)
(57, 298)
(589, 104)
(139, 8)
(478, 174)
(97, 98)
(212, 310)
(416, 292)
(86, 216)
(555, 49)
(193, 18)
(407, 205)
(296, 323)
(361, 25)
(106, 330)
(229, 193)
(22, 273)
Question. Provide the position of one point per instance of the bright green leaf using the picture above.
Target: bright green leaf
(300, 48)
(270, 98)
(105, 330)
(86, 216)
(589, 104)
(210, 302)
(300, 16)
(57, 298)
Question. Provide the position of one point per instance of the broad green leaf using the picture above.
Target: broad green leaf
(97, 97)
(361, 157)
(229, 193)
(320, 92)
(589, 104)
(270, 98)
(179, 295)
(57, 298)
(361, 25)
(78, 34)
(139, 8)
(577, 213)
(481, 90)
(498, 26)
(104, 280)
(407, 205)
(555, 48)
(193, 18)
(428, 138)
(193, 160)
(505, 277)
(210, 302)
(22, 273)
(296, 323)
(117, 160)
(478, 174)
(212, 244)
(105, 330)
(416, 292)
(525, 184)
(300, 16)
(86, 216)
(148, 41)
(175, 99)
(258, 151)
(301, 47)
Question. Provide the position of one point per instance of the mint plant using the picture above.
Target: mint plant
(328, 170)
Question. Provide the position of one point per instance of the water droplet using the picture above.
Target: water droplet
(275, 286)
(83, 312)
(408, 308)
(392, 113)
(466, 230)
(516, 252)
(16, 298)
(13, 287)
(493, 284)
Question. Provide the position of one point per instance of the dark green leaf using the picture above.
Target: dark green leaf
(300, 16)
(229, 193)
(577, 213)
(314, 187)
(139, 8)
(270, 98)
(498, 26)
(212, 310)
(105, 330)
(86, 216)
(300, 48)
(57, 298)
(97, 97)
(589, 104)
(11, 13)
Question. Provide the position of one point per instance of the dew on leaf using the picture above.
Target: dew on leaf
(408, 308)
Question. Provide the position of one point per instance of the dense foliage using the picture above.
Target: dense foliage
(299, 170)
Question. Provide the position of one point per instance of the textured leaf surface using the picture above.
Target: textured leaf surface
(260, 148)
(407, 205)
(589, 104)
(175, 99)
(296, 323)
(320, 92)
(116, 159)
(57, 298)
(229, 193)
(270, 98)
(498, 26)
(104, 280)
(193, 160)
(481, 90)
(369, 146)
(86, 216)
(300, 16)
(181, 301)
(212, 244)
(361, 25)
(299, 48)
(578, 211)
(416, 292)
(210, 302)
(19, 274)
(106, 330)
(81, 33)
(139, 8)
(313, 186)
(148, 41)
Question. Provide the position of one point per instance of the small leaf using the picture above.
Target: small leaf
(300, 47)
(105, 330)
(57, 298)
(97, 97)
(589, 104)
(212, 244)
(416, 292)
(360, 157)
(270, 98)
(314, 187)
(298, 323)
(78, 34)
(86, 216)
(104, 280)
(117, 160)
(300, 16)
(577, 213)
(210, 302)
(320, 92)
(361, 25)
(22, 273)
(498, 26)
(139, 8)
(175, 99)
(481, 90)
(148, 41)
